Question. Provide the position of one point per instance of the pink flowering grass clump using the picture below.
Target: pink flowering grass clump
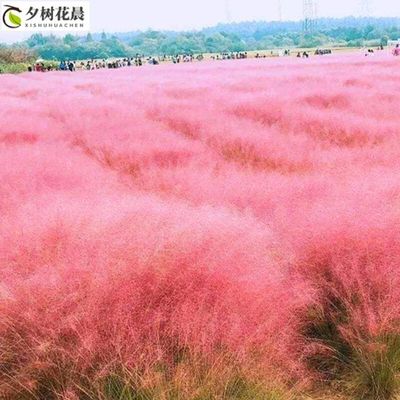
(206, 231)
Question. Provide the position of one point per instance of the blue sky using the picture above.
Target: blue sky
(127, 15)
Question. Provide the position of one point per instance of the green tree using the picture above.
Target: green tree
(69, 39)
(384, 40)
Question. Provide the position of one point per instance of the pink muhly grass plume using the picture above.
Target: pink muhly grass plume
(228, 229)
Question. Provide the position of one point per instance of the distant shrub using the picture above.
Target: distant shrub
(15, 60)
(16, 55)
(13, 68)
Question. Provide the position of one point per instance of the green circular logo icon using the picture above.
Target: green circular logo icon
(11, 17)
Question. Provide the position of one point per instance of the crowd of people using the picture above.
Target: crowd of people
(94, 64)
(140, 60)
(322, 52)
(371, 52)
(90, 65)
(230, 56)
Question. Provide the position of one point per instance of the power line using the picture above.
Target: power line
(280, 10)
(310, 13)
(228, 11)
(365, 8)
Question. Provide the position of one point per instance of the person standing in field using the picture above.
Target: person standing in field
(396, 51)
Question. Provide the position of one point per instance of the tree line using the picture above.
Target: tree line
(234, 37)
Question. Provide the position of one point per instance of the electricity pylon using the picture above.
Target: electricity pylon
(365, 8)
(309, 15)
(228, 11)
(280, 10)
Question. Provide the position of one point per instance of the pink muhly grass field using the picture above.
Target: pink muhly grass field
(209, 231)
